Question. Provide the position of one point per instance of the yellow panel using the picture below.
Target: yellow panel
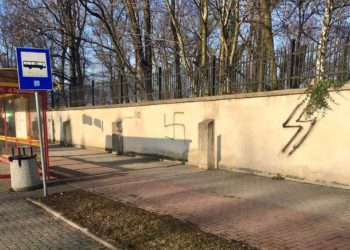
(8, 84)
(6, 95)
(19, 140)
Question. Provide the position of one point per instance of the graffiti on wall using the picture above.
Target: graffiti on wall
(296, 120)
(175, 124)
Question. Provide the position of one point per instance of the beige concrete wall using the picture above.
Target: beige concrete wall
(249, 135)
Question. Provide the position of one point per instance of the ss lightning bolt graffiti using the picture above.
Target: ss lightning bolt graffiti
(301, 125)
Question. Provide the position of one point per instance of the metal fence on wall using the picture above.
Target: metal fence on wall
(295, 67)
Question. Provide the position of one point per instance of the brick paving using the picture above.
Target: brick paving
(266, 213)
(24, 226)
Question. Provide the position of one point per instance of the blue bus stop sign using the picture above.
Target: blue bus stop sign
(34, 73)
(34, 69)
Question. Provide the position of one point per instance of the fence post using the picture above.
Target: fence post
(213, 84)
(52, 99)
(291, 69)
(93, 92)
(160, 82)
(58, 99)
(70, 94)
(121, 89)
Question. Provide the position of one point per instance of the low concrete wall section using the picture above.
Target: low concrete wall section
(206, 144)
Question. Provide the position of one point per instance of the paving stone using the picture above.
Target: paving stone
(24, 226)
(266, 213)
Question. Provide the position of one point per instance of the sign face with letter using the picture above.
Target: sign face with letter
(34, 69)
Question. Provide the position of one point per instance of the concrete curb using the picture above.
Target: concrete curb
(72, 224)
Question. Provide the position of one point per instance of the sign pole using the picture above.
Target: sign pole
(42, 153)
(34, 74)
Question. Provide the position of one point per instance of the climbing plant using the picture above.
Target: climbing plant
(318, 98)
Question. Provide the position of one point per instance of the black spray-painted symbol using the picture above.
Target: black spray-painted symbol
(299, 124)
(174, 124)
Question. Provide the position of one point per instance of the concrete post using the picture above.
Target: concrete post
(67, 133)
(206, 144)
(117, 137)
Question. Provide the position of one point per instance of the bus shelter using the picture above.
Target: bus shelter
(18, 119)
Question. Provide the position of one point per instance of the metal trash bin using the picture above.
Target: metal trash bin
(24, 173)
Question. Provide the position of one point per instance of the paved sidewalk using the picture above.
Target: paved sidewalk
(4, 170)
(24, 226)
(266, 213)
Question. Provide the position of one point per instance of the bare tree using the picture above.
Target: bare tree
(141, 42)
(227, 16)
(324, 36)
(258, 44)
(176, 51)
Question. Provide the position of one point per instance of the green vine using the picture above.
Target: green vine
(318, 97)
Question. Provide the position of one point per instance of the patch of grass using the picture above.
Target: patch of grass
(134, 228)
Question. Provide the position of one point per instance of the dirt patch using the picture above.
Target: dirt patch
(129, 227)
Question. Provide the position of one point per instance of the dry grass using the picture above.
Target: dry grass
(134, 228)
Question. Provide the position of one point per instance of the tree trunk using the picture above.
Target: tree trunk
(204, 47)
(148, 47)
(62, 73)
(229, 30)
(343, 63)
(322, 45)
(141, 60)
(234, 32)
(180, 39)
(178, 93)
(267, 41)
(260, 55)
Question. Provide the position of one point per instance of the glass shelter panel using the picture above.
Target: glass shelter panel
(33, 118)
(9, 117)
(18, 124)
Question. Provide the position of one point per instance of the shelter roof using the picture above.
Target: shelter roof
(8, 77)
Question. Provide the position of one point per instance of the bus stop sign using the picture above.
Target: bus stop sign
(34, 73)
(34, 69)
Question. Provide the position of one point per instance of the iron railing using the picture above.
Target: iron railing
(295, 67)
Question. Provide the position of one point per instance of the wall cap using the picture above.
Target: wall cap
(283, 92)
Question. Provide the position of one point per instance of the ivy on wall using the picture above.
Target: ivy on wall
(318, 98)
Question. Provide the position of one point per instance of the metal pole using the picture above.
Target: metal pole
(42, 153)
(160, 83)
(70, 94)
(52, 99)
(291, 69)
(213, 84)
(46, 145)
(121, 89)
(93, 92)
